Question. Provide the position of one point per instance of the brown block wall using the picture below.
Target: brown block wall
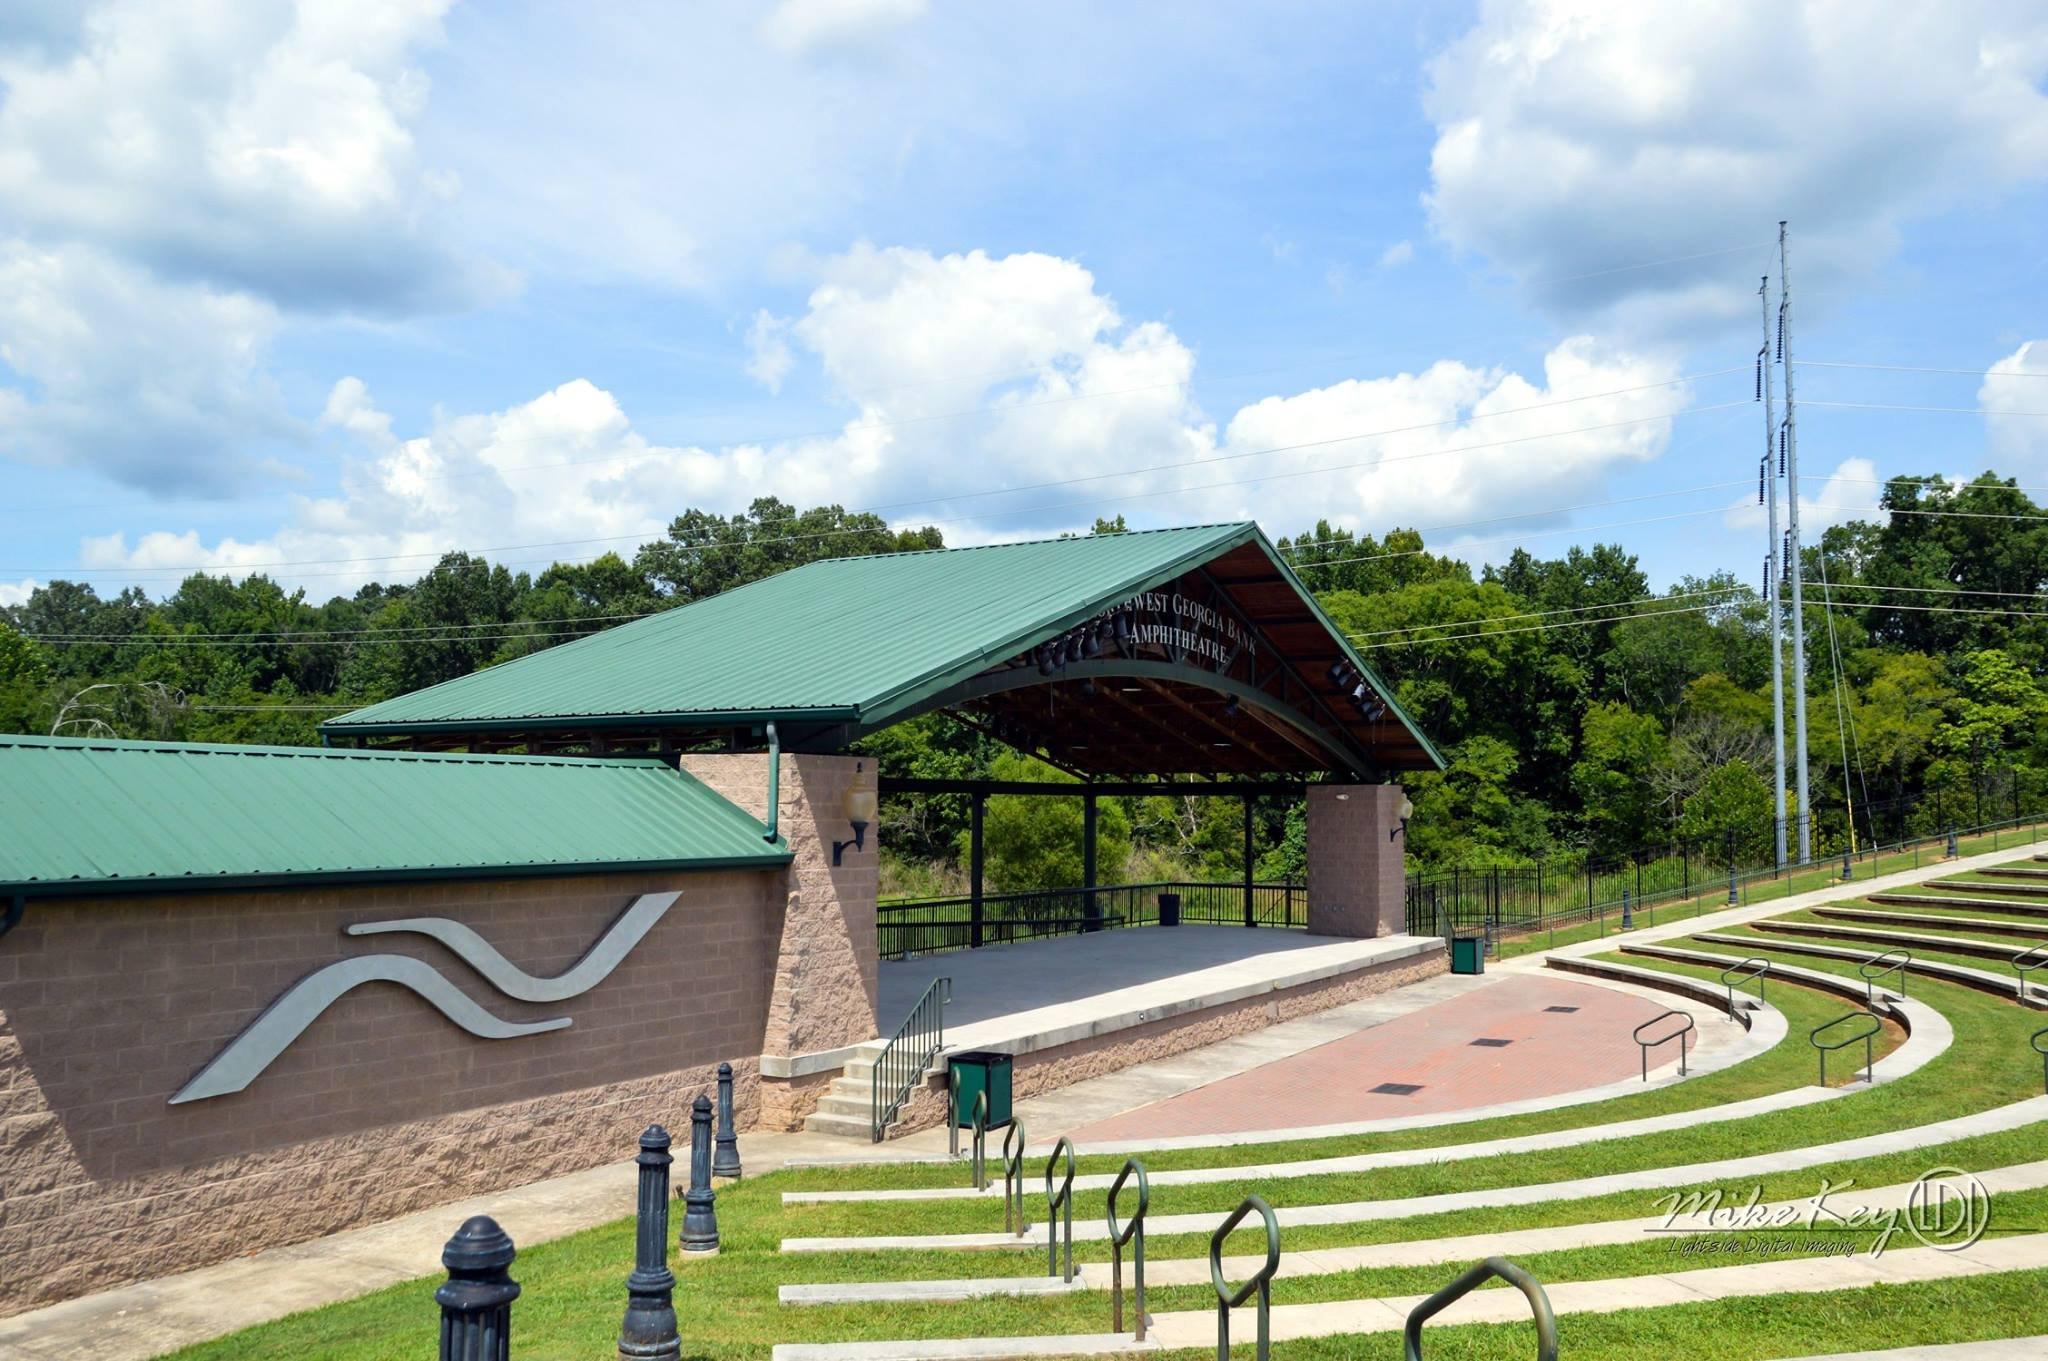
(1356, 861)
(823, 993)
(107, 1007)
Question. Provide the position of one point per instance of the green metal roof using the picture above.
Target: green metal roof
(839, 639)
(85, 814)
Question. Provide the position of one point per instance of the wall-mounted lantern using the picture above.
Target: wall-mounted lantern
(860, 811)
(1404, 812)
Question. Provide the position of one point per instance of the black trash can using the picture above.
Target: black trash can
(977, 1071)
(1169, 909)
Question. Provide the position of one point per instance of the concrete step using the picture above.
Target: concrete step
(853, 1108)
(839, 1126)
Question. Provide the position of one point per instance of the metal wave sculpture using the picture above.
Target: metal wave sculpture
(270, 1034)
(586, 973)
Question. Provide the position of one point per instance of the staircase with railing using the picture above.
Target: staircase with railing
(881, 1077)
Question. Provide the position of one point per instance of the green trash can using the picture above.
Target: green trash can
(1468, 954)
(976, 1071)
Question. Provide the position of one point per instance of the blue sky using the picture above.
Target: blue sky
(326, 289)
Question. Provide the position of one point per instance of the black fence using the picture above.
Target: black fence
(1506, 900)
(925, 926)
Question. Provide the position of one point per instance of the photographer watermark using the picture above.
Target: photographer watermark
(1945, 1208)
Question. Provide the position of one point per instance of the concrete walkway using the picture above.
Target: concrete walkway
(1292, 1322)
(135, 1322)
(1413, 1252)
(1998, 1120)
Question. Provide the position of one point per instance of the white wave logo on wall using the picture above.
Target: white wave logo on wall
(270, 1034)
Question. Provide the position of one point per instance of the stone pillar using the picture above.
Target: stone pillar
(822, 995)
(1356, 860)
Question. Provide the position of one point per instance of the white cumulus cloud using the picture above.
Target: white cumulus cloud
(806, 25)
(1578, 141)
(998, 396)
(2015, 392)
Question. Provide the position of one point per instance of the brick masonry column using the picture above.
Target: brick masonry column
(1356, 867)
(822, 992)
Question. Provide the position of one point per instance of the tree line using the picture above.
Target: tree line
(1580, 711)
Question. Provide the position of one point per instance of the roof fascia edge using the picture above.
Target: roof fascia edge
(571, 722)
(237, 883)
(1351, 655)
(877, 712)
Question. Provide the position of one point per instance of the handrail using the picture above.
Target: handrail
(979, 1119)
(1133, 1232)
(1875, 968)
(1013, 1175)
(1053, 1201)
(2024, 963)
(1867, 1035)
(1261, 1280)
(904, 1060)
(1531, 1288)
(1679, 1034)
(2042, 1050)
(1755, 968)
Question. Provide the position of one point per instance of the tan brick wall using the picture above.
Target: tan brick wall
(823, 996)
(1050, 1069)
(1355, 862)
(107, 1006)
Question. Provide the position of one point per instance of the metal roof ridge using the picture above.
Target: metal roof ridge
(880, 705)
(1021, 543)
(169, 746)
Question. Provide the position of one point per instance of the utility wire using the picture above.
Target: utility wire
(821, 534)
(1915, 368)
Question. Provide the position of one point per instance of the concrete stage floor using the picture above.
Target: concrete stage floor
(1036, 994)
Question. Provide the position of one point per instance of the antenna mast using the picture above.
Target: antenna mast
(1773, 611)
(1803, 808)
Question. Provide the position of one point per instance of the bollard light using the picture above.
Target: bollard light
(649, 1332)
(700, 1218)
(725, 1160)
(476, 1303)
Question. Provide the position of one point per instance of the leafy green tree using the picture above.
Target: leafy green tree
(706, 553)
(1034, 841)
(1614, 778)
(1732, 807)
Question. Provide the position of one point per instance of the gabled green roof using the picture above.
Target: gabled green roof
(829, 640)
(85, 814)
(852, 644)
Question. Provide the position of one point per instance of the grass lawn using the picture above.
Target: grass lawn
(574, 1287)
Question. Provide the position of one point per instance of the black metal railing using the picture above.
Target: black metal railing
(924, 926)
(1057, 1199)
(1753, 969)
(1260, 1282)
(1868, 1028)
(907, 1057)
(1679, 1033)
(1877, 966)
(2025, 962)
(980, 1122)
(1132, 1233)
(2039, 1040)
(1576, 888)
(1013, 1177)
(1501, 1267)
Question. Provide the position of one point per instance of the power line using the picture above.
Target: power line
(1916, 368)
(1540, 628)
(133, 573)
(1720, 591)
(1942, 514)
(262, 634)
(1941, 410)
